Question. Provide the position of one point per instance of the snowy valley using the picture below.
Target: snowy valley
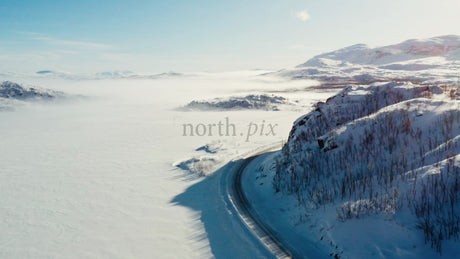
(110, 174)
(363, 161)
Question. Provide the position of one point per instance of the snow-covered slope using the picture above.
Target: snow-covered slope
(444, 46)
(434, 60)
(379, 162)
(386, 151)
(13, 95)
(16, 91)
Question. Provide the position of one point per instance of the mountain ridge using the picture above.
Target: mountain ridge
(447, 46)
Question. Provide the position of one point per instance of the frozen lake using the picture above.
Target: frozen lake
(94, 177)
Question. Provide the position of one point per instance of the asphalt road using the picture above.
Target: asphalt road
(266, 234)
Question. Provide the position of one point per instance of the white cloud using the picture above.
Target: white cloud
(67, 43)
(70, 43)
(74, 44)
(303, 15)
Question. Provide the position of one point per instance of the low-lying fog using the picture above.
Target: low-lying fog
(93, 175)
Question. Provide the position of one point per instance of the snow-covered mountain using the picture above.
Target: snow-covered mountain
(447, 47)
(434, 60)
(383, 154)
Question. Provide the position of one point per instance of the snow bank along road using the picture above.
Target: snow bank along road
(266, 234)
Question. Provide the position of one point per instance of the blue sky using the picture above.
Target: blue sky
(203, 35)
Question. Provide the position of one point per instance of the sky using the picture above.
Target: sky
(204, 35)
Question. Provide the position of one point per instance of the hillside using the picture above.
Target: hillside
(10, 90)
(384, 150)
(387, 153)
(428, 61)
(447, 47)
(14, 94)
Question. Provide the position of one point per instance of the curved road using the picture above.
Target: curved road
(272, 240)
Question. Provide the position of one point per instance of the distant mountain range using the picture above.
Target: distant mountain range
(447, 47)
(106, 75)
(434, 60)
